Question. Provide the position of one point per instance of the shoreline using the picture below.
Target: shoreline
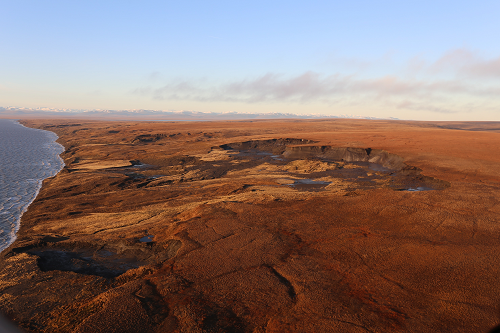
(39, 182)
(177, 227)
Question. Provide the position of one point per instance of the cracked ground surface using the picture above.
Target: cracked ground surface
(235, 227)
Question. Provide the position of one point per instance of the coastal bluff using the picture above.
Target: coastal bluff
(326, 225)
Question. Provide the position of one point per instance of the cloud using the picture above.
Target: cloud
(472, 80)
(273, 87)
(489, 68)
(423, 106)
(313, 87)
(466, 63)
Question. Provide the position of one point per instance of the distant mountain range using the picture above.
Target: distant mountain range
(17, 112)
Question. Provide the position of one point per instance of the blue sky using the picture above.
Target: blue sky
(423, 60)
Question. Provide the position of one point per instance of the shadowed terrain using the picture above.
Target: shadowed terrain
(261, 226)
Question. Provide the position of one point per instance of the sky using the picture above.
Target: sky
(413, 59)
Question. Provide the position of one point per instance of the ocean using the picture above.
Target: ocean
(27, 157)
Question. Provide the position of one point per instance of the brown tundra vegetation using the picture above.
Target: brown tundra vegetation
(261, 226)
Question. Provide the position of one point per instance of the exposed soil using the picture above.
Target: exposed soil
(261, 226)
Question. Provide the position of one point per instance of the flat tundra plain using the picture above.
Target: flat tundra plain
(261, 226)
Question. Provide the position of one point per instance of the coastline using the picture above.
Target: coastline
(39, 183)
(177, 227)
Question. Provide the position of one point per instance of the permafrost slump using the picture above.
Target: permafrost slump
(365, 167)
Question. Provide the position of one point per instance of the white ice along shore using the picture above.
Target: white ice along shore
(27, 157)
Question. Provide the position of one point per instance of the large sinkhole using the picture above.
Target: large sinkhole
(312, 167)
